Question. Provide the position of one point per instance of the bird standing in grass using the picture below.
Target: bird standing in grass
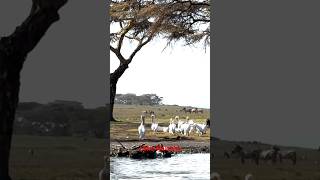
(141, 128)
(154, 124)
(172, 126)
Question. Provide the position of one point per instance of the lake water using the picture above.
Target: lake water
(178, 167)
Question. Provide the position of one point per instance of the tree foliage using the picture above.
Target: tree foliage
(140, 21)
(145, 99)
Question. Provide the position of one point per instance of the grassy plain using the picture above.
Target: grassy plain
(307, 167)
(56, 158)
(128, 116)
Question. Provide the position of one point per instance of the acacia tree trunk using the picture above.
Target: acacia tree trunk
(13, 52)
(114, 77)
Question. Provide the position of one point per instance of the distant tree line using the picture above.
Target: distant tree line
(60, 118)
(133, 99)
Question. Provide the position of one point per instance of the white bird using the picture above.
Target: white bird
(185, 128)
(154, 124)
(177, 130)
(165, 129)
(192, 128)
(190, 121)
(180, 122)
(172, 126)
(161, 128)
(141, 128)
(201, 128)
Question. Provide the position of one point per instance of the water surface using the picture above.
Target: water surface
(181, 166)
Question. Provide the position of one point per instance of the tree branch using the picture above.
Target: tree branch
(126, 30)
(134, 38)
(118, 54)
(138, 48)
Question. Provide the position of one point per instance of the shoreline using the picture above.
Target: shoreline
(188, 146)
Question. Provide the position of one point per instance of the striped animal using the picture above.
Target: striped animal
(253, 155)
(289, 155)
(270, 154)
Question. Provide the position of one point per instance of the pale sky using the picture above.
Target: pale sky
(181, 75)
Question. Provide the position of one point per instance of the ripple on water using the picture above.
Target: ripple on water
(181, 166)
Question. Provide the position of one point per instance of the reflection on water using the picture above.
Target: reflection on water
(181, 166)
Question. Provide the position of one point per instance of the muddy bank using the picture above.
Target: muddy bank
(188, 146)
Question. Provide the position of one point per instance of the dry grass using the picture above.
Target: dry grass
(56, 158)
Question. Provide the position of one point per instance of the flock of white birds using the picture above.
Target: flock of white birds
(185, 127)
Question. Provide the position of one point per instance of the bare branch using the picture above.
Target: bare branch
(125, 31)
(138, 49)
(118, 54)
(134, 38)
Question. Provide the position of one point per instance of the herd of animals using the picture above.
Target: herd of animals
(176, 125)
(184, 109)
(272, 155)
(192, 110)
